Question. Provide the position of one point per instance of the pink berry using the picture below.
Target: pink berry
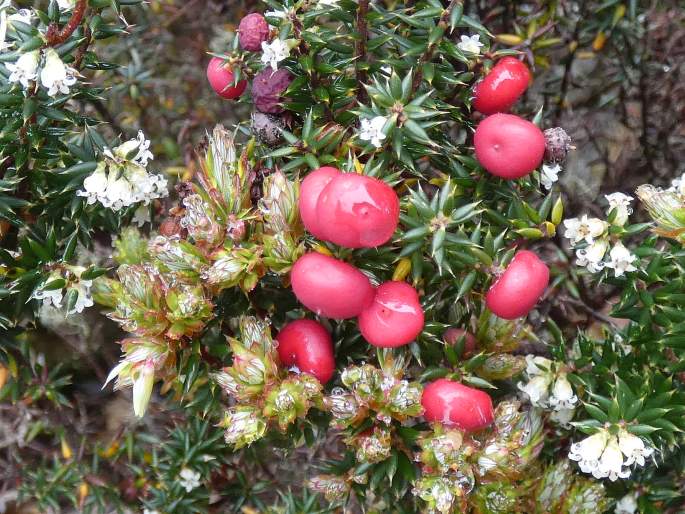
(267, 88)
(452, 335)
(500, 88)
(357, 211)
(520, 287)
(252, 32)
(329, 287)
(394, 318)
(453, 404)
(508, 146)
(221, 79)
(310, 190)
(306, 344)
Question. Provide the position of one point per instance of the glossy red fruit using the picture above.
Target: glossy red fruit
(306, 344)
(310, 191)
(252, 31)
(394, 318)
(357, 211)
(451, 403)
(508, 146)
(329, 287)
(520, 287)
(500, 88)
(452, 335)
(221, 80)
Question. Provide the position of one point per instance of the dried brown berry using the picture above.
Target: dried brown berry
(267, 128)
(267, 88)
(557, 144)
(252, 31)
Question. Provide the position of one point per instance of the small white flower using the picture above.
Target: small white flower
(274, 52)
(537, 389)
(611, 462)
(470, 44)
(584, 229)
(591, 257)
(634, 448)
(276, 14)
(147, 511)
(549, 175)
(66, 4)
(562, 397)
(621, 260)
(536, 365)
(189, 479)
(84, 298)
(25, 70)
(22, 16)
(678, 185)
(328, 3)
(141, 216)
(563, 417)
(53, 297)
(55, 76)
(621, 203)
(135, 150)
(627, 504)
(94, 185)
(372, 130)
(588, 451)
(143, 381)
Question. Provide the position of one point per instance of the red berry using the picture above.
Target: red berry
(394, 318)
(330, 287)
(252, 31)
(221, 79)
(306, 344)
(267, 87)
(451, 403)
(500, 88)
(520, 287)
(357, 211)
(452, 335)
(508, 146)
(310, 190)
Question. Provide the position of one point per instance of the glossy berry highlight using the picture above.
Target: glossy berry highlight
(306, 344)
(502, 87)
(454, 404)
(222, 80)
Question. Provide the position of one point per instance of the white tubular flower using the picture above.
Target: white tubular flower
(53, 297)
(537, 389)
(621, 260)
(611, 462)
(549, 175)
(372, 130)
(536, 365)
(470, 44)
(84, 298)
(94, 185)
(55, 76)
(562, 397)
(627, 504)
(588, 451)
(591, 257)
(25, 70)
(634, 448)
(621, 203)
(328, 3)
(66, 4)
(274, 52)
(22, 16)
(189, 479)
(563, 417)
(142, 387)
(584, 229)
(141, 216)
(135, 150)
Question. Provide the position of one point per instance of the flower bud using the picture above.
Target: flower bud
(372, 447)
(142, 387)
(244, 425)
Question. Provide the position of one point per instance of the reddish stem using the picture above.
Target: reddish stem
(55, 36)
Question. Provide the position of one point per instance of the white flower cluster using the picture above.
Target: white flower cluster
(594, 233)
(470, 44)
(275, 52)
(372, 130)
(46, 65)
(548, 388)
(121, 180)
(606, 455)
(189, 479)
(55, 296)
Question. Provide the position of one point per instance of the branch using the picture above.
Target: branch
(430, 49)
(55, 36)
(360, 49)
